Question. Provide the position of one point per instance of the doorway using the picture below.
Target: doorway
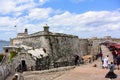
(24, 66)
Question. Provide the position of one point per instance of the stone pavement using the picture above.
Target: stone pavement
(82, 72)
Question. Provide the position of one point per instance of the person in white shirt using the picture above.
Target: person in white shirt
(106, 62)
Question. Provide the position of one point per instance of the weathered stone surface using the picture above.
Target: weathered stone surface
(46, 74)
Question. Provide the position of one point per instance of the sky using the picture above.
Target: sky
(83, 18)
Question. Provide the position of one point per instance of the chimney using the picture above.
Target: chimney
(46, 28)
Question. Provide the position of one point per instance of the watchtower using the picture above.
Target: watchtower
(46, 28)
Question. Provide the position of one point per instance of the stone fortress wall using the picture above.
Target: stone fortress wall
(57, 45)
(60, 45)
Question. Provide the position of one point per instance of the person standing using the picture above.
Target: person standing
(105, 63)
(76, 60)
(118, 51)
(114, 53)
(118, 61)
(15, 77)
(101, 56)
(111, 75)
(108, 61)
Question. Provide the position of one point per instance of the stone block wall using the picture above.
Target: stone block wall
(64, 47)
(57, 46)
(26, 57)
(84, 43)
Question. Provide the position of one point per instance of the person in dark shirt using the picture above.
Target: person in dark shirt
(118, 61)
(101, 56)
(111, 73)
(76, 59)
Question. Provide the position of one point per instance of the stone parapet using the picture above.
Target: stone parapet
(48, 71)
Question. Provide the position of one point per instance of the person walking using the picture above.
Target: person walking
(111, 75)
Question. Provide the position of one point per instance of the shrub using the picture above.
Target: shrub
(12, 55)
(1, 57)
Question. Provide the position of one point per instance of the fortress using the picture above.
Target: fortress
(58, 46)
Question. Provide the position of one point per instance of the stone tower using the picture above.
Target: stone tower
(46, 28)
(19, 35)
(26, 31)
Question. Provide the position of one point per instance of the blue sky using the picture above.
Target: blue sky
(83, 18)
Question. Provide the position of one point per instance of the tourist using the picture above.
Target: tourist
(114, 53)
(118, 51)
(107, 57)
(15, 77)
(101, 56)
(77, 58)
(108, 60)
(105, 62)
(111, 75)
(118, 61)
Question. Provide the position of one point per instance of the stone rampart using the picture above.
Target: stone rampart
(56, 45)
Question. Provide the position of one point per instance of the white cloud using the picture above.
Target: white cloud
(6, 6)
(25, 6)
(39, 13)
(6, 21)
(43, 1)
(65, 19)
